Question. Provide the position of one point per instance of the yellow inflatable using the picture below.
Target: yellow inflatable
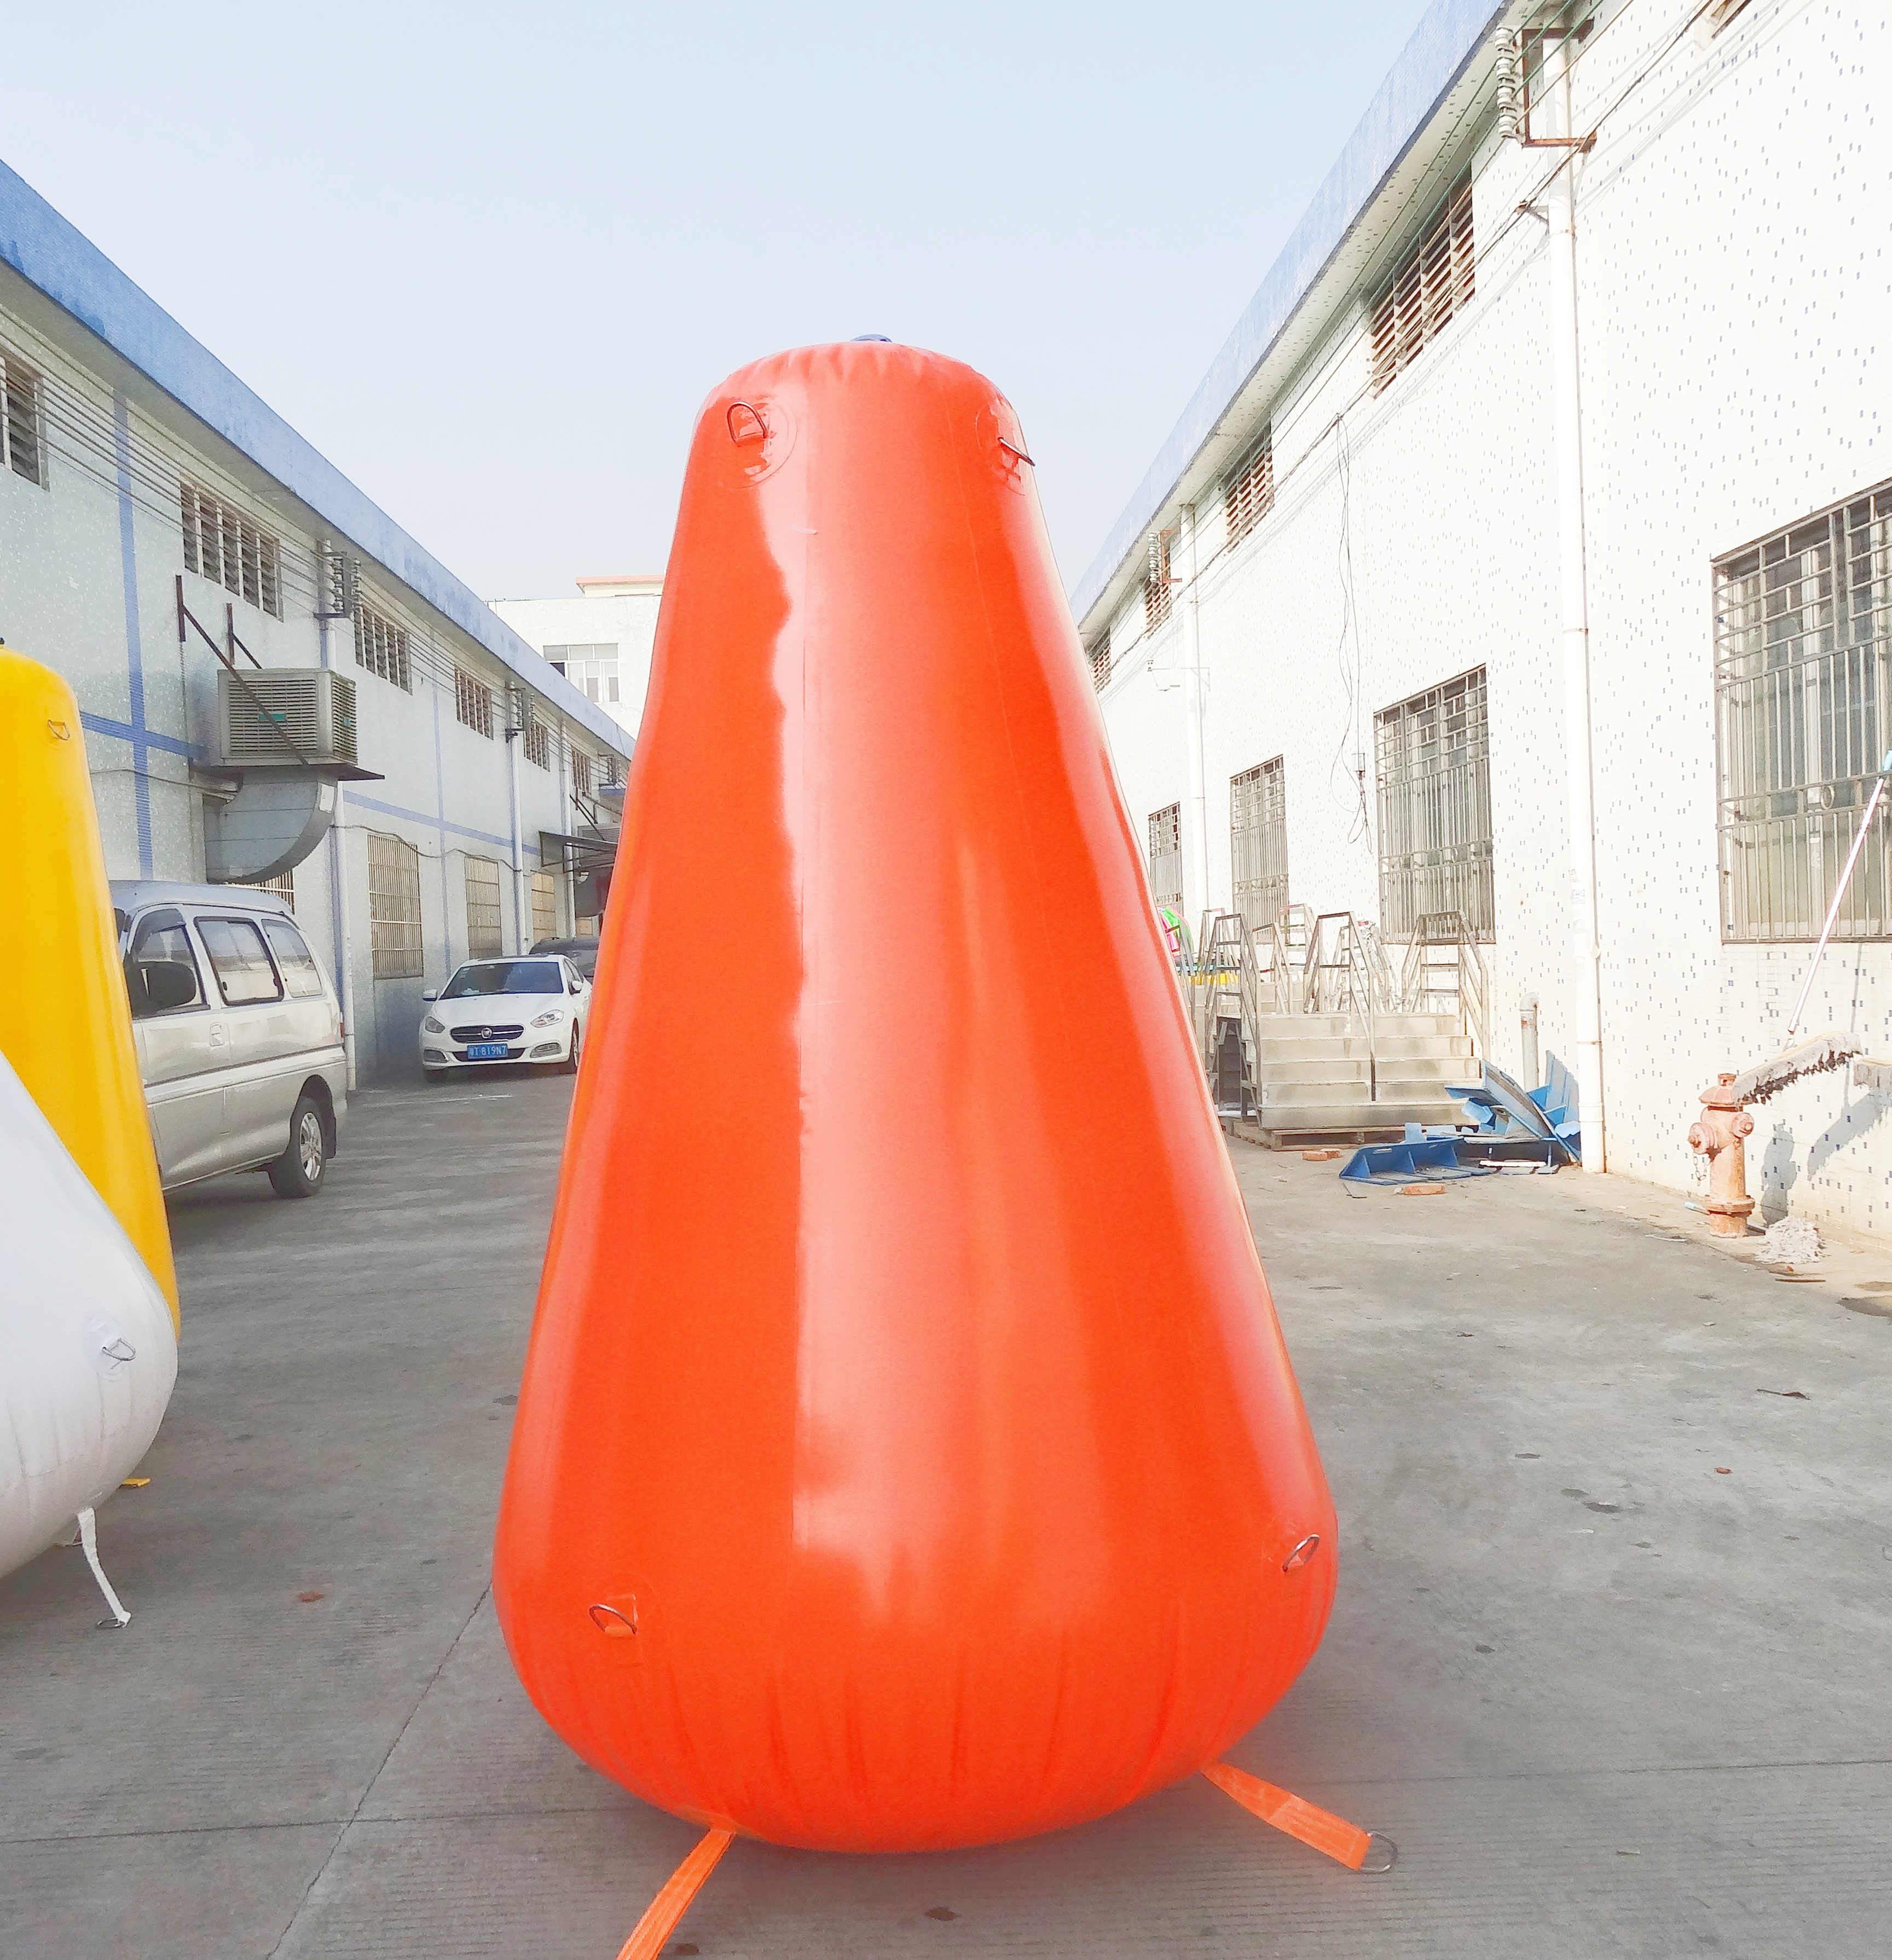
(65, 1024)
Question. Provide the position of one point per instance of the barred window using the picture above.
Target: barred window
(1158, 592)
(1248, 491)
(1099, 655)
(1436, 281)
(580, 772)
(613, 771)
(1803, 698)
(473, 703)
(1165, 854)
(545, 906)
(382, 647)
(21, 430)
(394, 907)
(484, 933)
(1434, 758)
(227, 548)
(537, 739)
(1258, 842)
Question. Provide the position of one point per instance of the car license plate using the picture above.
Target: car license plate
(487, 1051)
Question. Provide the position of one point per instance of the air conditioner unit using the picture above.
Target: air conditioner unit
(286, 715)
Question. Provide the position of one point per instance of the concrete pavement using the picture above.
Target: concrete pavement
(1608, 1700)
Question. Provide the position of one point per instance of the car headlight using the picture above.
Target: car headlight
(550, 1018)
(431, 1026)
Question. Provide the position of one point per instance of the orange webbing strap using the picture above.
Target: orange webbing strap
(1298, 1818)
(661, 1915)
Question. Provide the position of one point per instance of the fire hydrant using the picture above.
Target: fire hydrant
(1724, 1124)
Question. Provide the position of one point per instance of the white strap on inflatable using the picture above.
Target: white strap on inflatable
(89, 1537)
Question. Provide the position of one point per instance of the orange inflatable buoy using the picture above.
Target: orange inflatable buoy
(907, 1455)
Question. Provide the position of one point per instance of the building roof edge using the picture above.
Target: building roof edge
(50, 253)
(1428, 68)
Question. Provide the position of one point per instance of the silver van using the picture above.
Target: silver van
(239, 1035)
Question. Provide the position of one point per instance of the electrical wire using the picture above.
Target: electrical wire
(1349, 343)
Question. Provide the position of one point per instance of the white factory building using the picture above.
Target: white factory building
(1563, 422)
(600, 641)
(277, 683)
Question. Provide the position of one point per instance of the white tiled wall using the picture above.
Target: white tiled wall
(1735, 251)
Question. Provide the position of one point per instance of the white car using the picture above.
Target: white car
(531, 1011)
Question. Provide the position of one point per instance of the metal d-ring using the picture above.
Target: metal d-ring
(762, 423)
(1016, 451)
(601, 1616)
(1391, 1854)
(1302, 1553)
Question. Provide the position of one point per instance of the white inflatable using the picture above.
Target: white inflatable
(88, 1353)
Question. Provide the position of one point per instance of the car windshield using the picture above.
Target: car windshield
(505, 976)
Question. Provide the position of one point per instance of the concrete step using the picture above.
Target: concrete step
(1393, 1026)
(1320, 1049)
(1298, 1068)
(1324, 1116)
(1357, 1095)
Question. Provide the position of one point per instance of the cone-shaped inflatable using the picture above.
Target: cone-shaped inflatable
(65, 1023)
(89, 1356)
(907, 1456)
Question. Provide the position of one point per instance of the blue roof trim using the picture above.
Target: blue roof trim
(50, 253)
(1429, 66)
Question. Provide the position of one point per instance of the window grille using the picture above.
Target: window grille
(382, 647)
(537, 739)
(1436, 281)
(394, 907)
(613, 768)
(284, 883)
(580, 772)
(545, 907)
(485, 932)
(1803, 697)
(1099, 655)
(591, 666)
(222, 545)
(20, 430)
(1434, 808)
(1159, 593)
(1165, 854)
(1248, 491)
(1258, 840)
(473, 703)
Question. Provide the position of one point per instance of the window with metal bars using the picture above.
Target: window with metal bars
(21, 434)
(382, 647)
(1258, 842)
(1437, 280)
(545, 906)
(1165, 854)
(580, 772)
(394, 907)
(230, 549)
(535, 738)
(1098, 653)
(486, 935)
(1159, 593)
(473, 703)
(1248, 491)
(613, 768)
(1434, 758)
(1803, 701)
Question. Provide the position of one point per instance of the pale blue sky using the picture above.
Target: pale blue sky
(490, 260)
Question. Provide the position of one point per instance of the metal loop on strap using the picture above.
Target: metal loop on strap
(761, 432)
(1383, 1854)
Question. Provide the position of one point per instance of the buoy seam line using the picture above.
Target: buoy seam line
(367, 1789)
(617, 1809)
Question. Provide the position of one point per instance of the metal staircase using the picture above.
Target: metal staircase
(1309, 1035)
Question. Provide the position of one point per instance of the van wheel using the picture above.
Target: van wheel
(299, 1171)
